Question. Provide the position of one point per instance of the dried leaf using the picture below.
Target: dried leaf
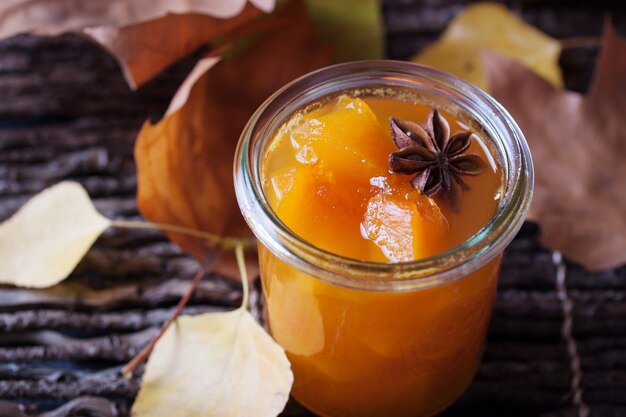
(493, 27)
(353, 27)
(42, 243)
(579, 150)
(145, 36)
(216, 364)
(145, 49)
(53, 17)
(185, 161)
(182, 95)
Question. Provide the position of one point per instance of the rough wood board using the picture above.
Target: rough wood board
(67, 114)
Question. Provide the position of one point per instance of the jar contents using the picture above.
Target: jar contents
(385, 180)
(328, 179)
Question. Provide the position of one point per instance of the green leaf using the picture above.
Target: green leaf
(353, 27)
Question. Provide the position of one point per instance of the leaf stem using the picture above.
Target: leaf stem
(223, 243)
(239, 254)
(132, 366)
(581, 42)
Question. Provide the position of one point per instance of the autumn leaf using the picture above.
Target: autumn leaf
(145, 36)
(492, 26)
(41, 244)
(579, 153)
(53, 17)
(215, 364)
(145, 49)
(185, 161)
(352, 27)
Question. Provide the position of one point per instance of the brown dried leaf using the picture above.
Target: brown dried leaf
(145, 36)
(579, 150)
(185, 161)
(53, 17)
(145, 49)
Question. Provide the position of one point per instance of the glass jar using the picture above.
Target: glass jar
(382, 339)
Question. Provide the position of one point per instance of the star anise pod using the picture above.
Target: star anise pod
(438, 159)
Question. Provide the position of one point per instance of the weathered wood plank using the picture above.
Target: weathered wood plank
(71, 116)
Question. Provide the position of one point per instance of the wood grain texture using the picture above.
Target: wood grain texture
(67, 114)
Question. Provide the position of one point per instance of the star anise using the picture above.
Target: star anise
(438, 159)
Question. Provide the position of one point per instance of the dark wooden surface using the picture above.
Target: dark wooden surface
(66, 113)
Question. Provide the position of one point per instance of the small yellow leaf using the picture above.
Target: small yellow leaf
(492, 26)
(43, 242)
(215, 365)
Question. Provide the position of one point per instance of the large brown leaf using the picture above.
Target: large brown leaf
(145, 36)
(578, 145)
(185, 161)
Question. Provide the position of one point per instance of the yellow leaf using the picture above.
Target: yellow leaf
(43, 242)
(215, 365)
(492, 26)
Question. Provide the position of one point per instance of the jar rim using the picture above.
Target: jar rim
(447, 266)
